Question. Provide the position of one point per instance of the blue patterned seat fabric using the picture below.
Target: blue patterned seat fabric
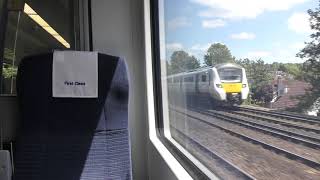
(72, 138)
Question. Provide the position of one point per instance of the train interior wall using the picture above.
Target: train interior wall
(118, 29)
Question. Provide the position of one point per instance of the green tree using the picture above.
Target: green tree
(259, 77)
(263, 93)
(311, 67)
(8, 54)
(275, 66)
(182, 61)
(218, 53)
(282, 67)
(7, 70)
(256, 70)
(293, 69)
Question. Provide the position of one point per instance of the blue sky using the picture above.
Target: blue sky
(274, 30)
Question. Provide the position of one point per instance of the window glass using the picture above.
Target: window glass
(36, 27)
(230, 74)
(204, 78)
(257, 117)
(188, 79)
(1, 5)
(176, 79)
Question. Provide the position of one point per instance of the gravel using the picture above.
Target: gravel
(310, 153)
(254, 159)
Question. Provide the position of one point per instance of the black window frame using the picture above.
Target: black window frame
(3, 27)
(191, 168)
(4, 12)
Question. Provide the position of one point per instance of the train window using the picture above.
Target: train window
(204, 78)
(33, 27)
(176, 80)
(188, 79)
(230, 74)
(252, 120)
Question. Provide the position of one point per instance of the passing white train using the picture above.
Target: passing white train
(224, 82)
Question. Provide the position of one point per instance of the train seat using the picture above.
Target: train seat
(8, 124)
(5, 164)
(72, 138)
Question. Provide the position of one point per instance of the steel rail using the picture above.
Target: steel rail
(216, 156)
(283, 134)
(292, 117)
(290, 155)
(304, 136)
(287, 124)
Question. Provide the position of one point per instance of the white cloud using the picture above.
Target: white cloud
(235, 9)
(243, 36)
(258, 54)
(284, 55)
(299, 23)
(297, 46)
(199, 50)
(276, 44)
(178, 23)
(203, 47)
(213, 23)
(174, 46)
(200, 47)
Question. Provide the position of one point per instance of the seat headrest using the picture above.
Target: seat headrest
(42, 113)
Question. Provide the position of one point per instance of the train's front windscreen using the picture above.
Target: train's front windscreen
(230, 75)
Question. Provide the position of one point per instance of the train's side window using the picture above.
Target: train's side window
(33, 27)
(204, 78)
(176, 80)
(188, 79)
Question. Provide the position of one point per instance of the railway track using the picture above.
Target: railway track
(272, 124)
(275, 120)
(290, 155)
(250, 120)
(288, 116)
(240, 173)
(283, 134)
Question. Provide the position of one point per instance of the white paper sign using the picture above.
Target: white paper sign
(75, 74)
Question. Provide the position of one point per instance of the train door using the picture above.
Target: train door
(189, 83)
(181, 84)
(197, 83)
(203, 82)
